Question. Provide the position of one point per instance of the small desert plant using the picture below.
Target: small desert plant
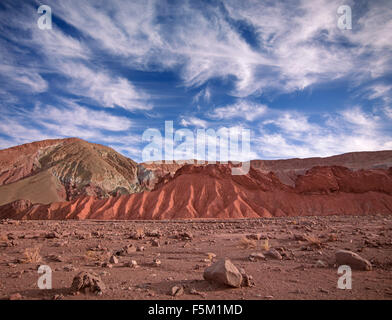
(140, 232)
(246, 243)
(313, 241)
(95, 256)
(266, 245)
(137, 234)
(211, 256)
(32, 255)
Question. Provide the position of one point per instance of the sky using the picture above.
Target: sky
(109, 70)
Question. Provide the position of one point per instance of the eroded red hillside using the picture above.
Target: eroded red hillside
(212, 192)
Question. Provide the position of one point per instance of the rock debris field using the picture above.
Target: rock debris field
(268, 258)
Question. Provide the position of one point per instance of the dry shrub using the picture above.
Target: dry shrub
(32, 255)
(95, 255)
(138, 233)
(266, 245)
(246, 243)
(313, 241)
(211, 256)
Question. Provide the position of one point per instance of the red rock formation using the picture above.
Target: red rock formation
(21, 161)
(212, 192)
(45, 174)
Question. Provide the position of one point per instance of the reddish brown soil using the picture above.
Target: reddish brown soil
(297, 276)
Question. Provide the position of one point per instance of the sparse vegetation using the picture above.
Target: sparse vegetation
(246, 243)
(211, 256)
(138, 233)
(313, 241)
(96, 255)
(266, 245)
(32, 255)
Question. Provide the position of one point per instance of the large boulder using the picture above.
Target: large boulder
(86, 282)
(224, 272)
(355, 261)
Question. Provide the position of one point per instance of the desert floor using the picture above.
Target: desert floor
(69, 247)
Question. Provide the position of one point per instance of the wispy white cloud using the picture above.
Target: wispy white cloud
(351, 130)
(242, 109)
(298, 43)
(203, 95)
(70, 120)
(76, 115)
(290, 46)
(193, 121)
(380, 91)
(388, 111)
(107, 90)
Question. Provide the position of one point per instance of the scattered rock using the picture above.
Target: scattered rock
(10, 264)
(97, 234)
(254, 256)
(177, 291)
(352, 259)
(97, 248)
(69, 268)
(86, 282)
(128, 249)
(195, 292)
(15, 296)
(185, 236)
(321, 264)
(113, 259)
(300, 237)
(154, 233)
(131, 264)
(82, 236)
(52, 235)
(107, 265)
(224, 272)
(247, 280)
(273, 253)
(255, 236)
(11, 236)
(155, 243)
(156, 262)
(140, 248)
(55, 258)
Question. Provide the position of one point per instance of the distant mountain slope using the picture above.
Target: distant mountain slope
(75, 179)
(53, 170)
(287, 170)
(212, 192)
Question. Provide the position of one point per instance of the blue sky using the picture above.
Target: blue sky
(109, 70)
